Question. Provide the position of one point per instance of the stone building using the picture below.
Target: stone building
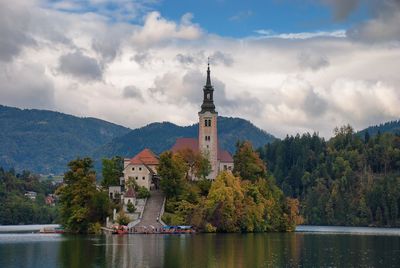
(207, 141)
(142, 168)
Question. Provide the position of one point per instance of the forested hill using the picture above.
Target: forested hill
(347, 180)
(391, 127)
(45, 141)
(162, 136)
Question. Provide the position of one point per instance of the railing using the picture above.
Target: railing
(162, 212)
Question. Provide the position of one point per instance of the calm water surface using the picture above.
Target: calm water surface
(310, 247)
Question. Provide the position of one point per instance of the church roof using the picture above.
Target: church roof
(224, 156)
(193, 144)
(145, 157)
(185, 143)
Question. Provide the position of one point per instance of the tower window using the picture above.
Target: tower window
(207, 138)
(208, 96)
(207, 123)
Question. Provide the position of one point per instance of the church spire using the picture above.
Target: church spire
(208, 83)
(208, 89)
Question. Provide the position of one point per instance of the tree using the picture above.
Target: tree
(202, 167)
(172, 170)
(130, 207)
(247, 163)
(112, 171)
(81, 204)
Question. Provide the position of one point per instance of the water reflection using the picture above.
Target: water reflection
(201, 250)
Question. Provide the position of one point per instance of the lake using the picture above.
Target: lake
(308, 247)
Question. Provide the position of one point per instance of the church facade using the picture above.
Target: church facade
(142, 168)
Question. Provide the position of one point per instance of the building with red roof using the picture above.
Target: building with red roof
(142, 168)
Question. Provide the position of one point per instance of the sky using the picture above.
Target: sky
(288, 66)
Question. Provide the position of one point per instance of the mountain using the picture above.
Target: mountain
(45, 141)
(391, 126)
(161, 136)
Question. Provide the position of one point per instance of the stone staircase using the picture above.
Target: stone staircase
(152, 210)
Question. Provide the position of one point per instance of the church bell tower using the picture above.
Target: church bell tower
(208, 138)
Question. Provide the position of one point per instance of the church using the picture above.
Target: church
(143, 166)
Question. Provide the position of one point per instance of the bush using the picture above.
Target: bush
(172, 219)
(122, 218)
(209, 228)
(131, 207)
(94, 228)
(143, 192)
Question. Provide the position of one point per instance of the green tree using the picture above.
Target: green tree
(131, 207)
(81, 204)
(112, 171)
(172, 170)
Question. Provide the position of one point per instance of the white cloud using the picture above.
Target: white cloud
(155, 71)
(156, 29)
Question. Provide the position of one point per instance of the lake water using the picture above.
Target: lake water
(308, 247)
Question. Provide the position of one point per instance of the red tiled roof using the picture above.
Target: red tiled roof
(145, 157)
(224, 156)
(185, 143)
(130, 193)
(193, 144)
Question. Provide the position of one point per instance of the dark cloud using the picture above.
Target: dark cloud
(219, 57)
(385, 26)
(142, 58)
(189, 59)
(173, 89)
(309, 60)
(26, 86)
(13, 32)
(132, 92)
(342, 8)
(80, 66)
(314, 105)
(200, 58)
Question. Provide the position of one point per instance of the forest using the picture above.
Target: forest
(348, 180)
(16, 208)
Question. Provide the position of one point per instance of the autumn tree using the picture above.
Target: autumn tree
(247, 163)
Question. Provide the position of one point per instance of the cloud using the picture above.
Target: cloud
(301, 35)
(157, 30)
(200, 58)
(80, 66)
(14, 32)
(383, 27)
(283, 82)
(220, 57)
(132, 92)
(342, 8)
(26, 85)
(313, 61)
